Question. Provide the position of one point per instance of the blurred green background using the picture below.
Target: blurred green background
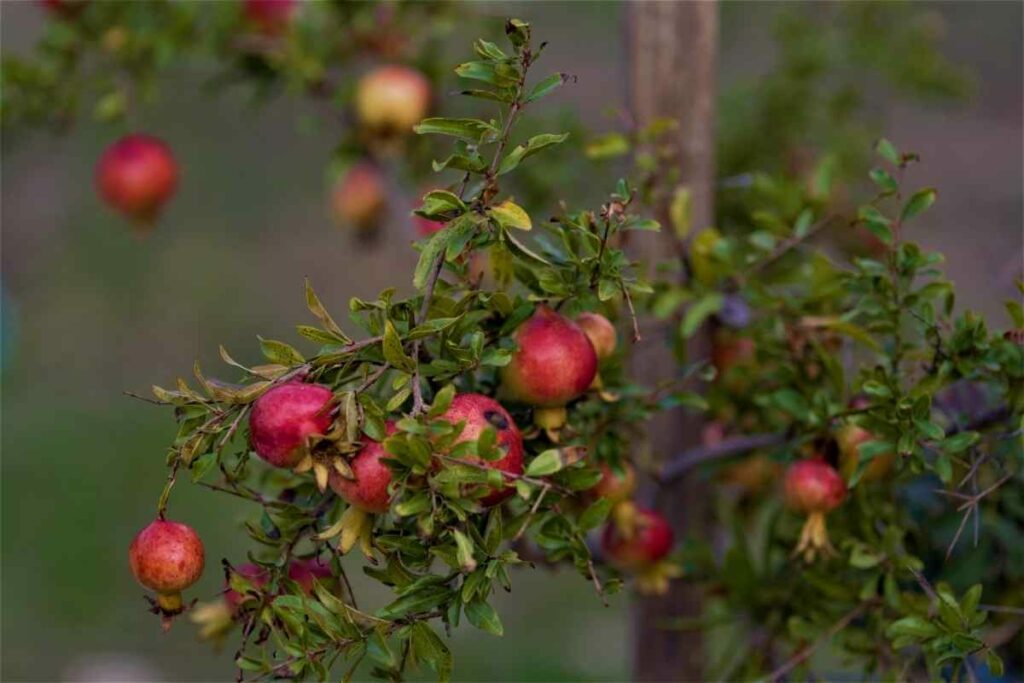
(89, 311)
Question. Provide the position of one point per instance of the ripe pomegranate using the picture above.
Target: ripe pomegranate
(136, 176)
(369, 490)
(255, 574)
(285, 417)
(304, 572)
(478, 412)
(270, 17)
(168, 558)
(815, 488)
(555, 362)
(849, 438)
(651, 541)
(600, 332)
(616, 486)
(390, 100)
(359, 198)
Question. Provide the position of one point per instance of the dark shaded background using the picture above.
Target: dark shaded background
(89, 311)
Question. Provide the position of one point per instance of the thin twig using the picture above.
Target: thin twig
(632, 312)
(533, 512)
(689, 459)
(805, 652)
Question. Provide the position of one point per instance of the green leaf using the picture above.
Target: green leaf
(464, 551)
(883, 180)
(548, 462)
(521, 250)
(930, 430)
(960, 442)
(393, 351)
(607, 146)
(887, 151)
(470, 130)
(441, 203)
(698, 312)
(483, 616)
(918, 203)
(879, 225)
(595, 514)
(532, 146)
(915, 627)
(317, 309)
(419, 601)
(279, 352)
(508, 214)
(495, 73)
(546, 86)
(792, 402)
(429, 648)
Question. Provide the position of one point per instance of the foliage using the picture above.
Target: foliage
(806, 345)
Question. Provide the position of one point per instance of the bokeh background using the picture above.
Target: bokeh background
(90, 311)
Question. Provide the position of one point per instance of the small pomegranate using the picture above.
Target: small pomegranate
(304, 572)
(555, 362)
(650, 542)
(616, 485)
(270, 17)
(136, 176)
(815, 488)
(368, 491)
(284, 418)
(390, 100)
(359, 198)
(255, 574)
(600, 332)
(478, 412)
(849, 438)
(167, 557)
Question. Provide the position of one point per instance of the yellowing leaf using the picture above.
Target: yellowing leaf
(511, 215)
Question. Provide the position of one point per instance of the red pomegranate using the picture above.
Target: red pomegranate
(285, 417)
(651, 541)
(600, 332)
(255, 574)
(167, 557)
(137, 175)
(616, 485)
(815, 488)
(477, 412)
(555, 362)
(359, 198)
(369, 490)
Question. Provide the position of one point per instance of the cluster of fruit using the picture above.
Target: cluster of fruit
(556, 362)
(138, 174)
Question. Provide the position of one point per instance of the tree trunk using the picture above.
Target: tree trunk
(672, 75)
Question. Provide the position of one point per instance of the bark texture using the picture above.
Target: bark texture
(672, 48)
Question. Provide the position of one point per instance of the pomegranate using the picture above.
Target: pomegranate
(390, 100)
(136, 176)
(815, 488)
(849, 438)
(270, 16)
(167, 557)
(359, 198)
(255, 574)
(369, 490)
(600, 332)
(65, 9)
(284, 418)
(476, 412)
(729, 351)
(616, 485)
(426, 227)
(555, 362)
(304, 572)
(650, 542)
